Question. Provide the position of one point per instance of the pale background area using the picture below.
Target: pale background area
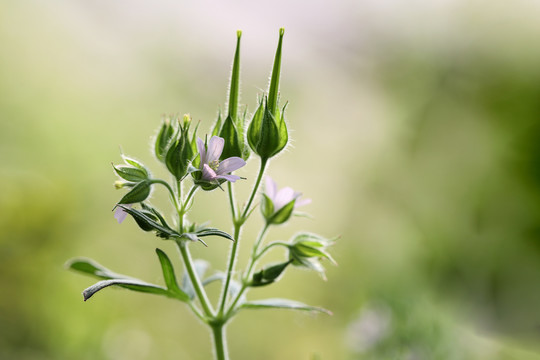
(415, 130)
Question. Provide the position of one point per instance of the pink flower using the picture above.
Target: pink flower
(120, 214)
(211, 168)
(283, 196)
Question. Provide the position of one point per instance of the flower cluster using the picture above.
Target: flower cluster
(194, 163)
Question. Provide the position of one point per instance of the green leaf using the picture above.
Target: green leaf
(139, 193)
(213, 232)
(91, 267)
(282, 304)
(131, 284)
(130, 173)
(169, 275)
(162, 231)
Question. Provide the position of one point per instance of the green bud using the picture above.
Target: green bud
(267, 133)
(180, 153)
(138, 193)
(269, 274)
(263, 133)
(233, 144)
(163, 140)
(306, 250)
(232, 129)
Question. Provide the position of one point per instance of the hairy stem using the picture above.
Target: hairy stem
(197, 285)
(237, 227)
(220, 343)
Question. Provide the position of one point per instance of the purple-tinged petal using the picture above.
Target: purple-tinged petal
(231, 178)
(229, 165)
(120, 214)
(202, 150)
(215, 148)
(207, 173)
(271, 187)
(283, 197)
(301, 202)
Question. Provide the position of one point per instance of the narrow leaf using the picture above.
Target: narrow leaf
(213, 232)
(91, 267)
(131, 284)
(282, 304)
(169, 275)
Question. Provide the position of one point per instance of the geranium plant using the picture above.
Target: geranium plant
(207, 163)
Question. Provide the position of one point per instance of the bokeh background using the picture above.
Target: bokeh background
(415, 130)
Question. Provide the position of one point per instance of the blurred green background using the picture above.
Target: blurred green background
(415, 130)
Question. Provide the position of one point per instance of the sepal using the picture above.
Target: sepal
(268, 274)
(180, 154)
(138, 193)
(163, 140)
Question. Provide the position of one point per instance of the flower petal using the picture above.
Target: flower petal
(283, 197)
(120, 214)
(215, 148)
(231, 178)
(229, 165)
(207, 173)
(301, 202)
(271, 187)
(202, 150)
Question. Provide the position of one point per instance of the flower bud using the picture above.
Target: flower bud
(163, 140)
(277, 206)
(306, 250)
(232, 128)
(180, 153)
(267, 133)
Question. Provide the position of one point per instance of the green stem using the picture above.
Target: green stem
(197, 312)
(255, 188)
(247, 274)
(268, 247)
(254, 257)
(231, 201)
(220, 343)
(237, 227)
(185, 204)
(179, 210)
(171, 191)
(199, 290)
